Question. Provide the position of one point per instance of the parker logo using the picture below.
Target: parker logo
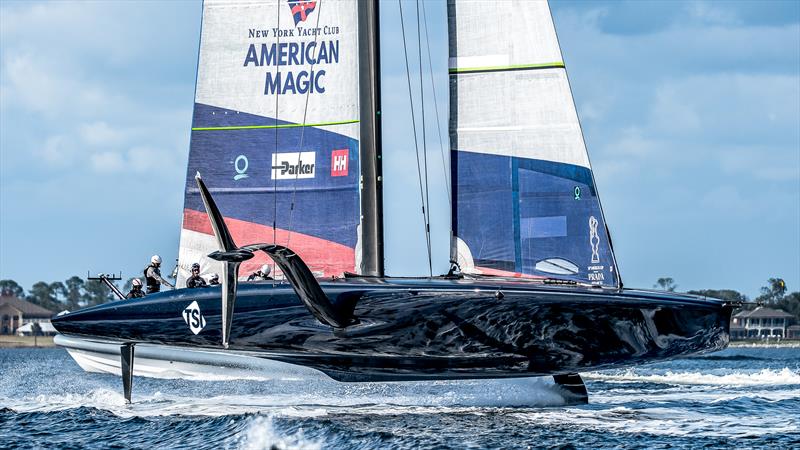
(339, 162)
(290, 166)
(194, 318)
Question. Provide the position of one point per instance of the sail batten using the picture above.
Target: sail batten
(461, 69)
(524, 198)
(283, 125)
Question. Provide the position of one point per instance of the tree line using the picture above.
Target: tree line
(70, 294)
(774, 295)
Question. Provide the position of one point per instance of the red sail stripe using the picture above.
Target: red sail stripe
(330, 258)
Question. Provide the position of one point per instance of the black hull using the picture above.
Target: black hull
(427, 329)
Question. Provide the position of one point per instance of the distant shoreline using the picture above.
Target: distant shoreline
(12, 341)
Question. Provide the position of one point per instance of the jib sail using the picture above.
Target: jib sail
(524, 198)
(275, 132)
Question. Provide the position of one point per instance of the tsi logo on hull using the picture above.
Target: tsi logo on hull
(290, 166)
(194, 318)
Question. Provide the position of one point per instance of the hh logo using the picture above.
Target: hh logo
(301, 9)
(339, 161)
(194, 318)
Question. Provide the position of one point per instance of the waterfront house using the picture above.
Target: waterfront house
(15, 312)
(760, 323)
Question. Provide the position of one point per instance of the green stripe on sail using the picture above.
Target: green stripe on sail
(551, 65)
(286, 125)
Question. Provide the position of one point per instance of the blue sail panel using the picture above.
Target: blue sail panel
(522, 216)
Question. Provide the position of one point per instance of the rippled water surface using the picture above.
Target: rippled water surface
(744, 398)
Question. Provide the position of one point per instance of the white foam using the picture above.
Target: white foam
(764, 377)
(766, 345)
(306, 399)
(662, 421)
(261, 434)
(697, 393)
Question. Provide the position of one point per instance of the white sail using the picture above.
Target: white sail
(525, 202)
(275, 131)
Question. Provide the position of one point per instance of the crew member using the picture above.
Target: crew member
(195, 281)
(260, 275)
(214, 280)
(152, 275)
(136, 289)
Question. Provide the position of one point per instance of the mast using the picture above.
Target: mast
(370, 139)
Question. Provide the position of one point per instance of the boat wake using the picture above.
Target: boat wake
(293, 398)
(764, 377)
(683, 403)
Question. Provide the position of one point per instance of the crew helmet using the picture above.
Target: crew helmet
(155, 259)
(136, 282)
(214, 277)
(265, 269)
(195, 266)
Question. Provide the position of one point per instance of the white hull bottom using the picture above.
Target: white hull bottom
(162, 361)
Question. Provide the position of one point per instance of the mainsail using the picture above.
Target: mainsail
(275, 132)
(524, 198)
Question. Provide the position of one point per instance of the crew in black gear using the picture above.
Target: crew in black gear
(152, 275)
(195, 281)
(136, 289)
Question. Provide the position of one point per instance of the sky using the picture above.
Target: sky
(690, 111)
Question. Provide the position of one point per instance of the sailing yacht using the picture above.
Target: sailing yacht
(286, 151)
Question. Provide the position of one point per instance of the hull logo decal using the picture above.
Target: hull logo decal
(194, 318)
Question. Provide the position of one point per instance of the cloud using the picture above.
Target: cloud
(695, 142)
(107, 162)
(100, 133)
(147, 160)
(31, 86)
(56, 152)
(637, 18)
(694, 94)
(705, 13)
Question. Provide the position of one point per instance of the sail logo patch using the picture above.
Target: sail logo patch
(594, 240)
(595, 274)
(194, 318)
(240, 164)
(339, 162)
(301, 9)
(294, 165)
